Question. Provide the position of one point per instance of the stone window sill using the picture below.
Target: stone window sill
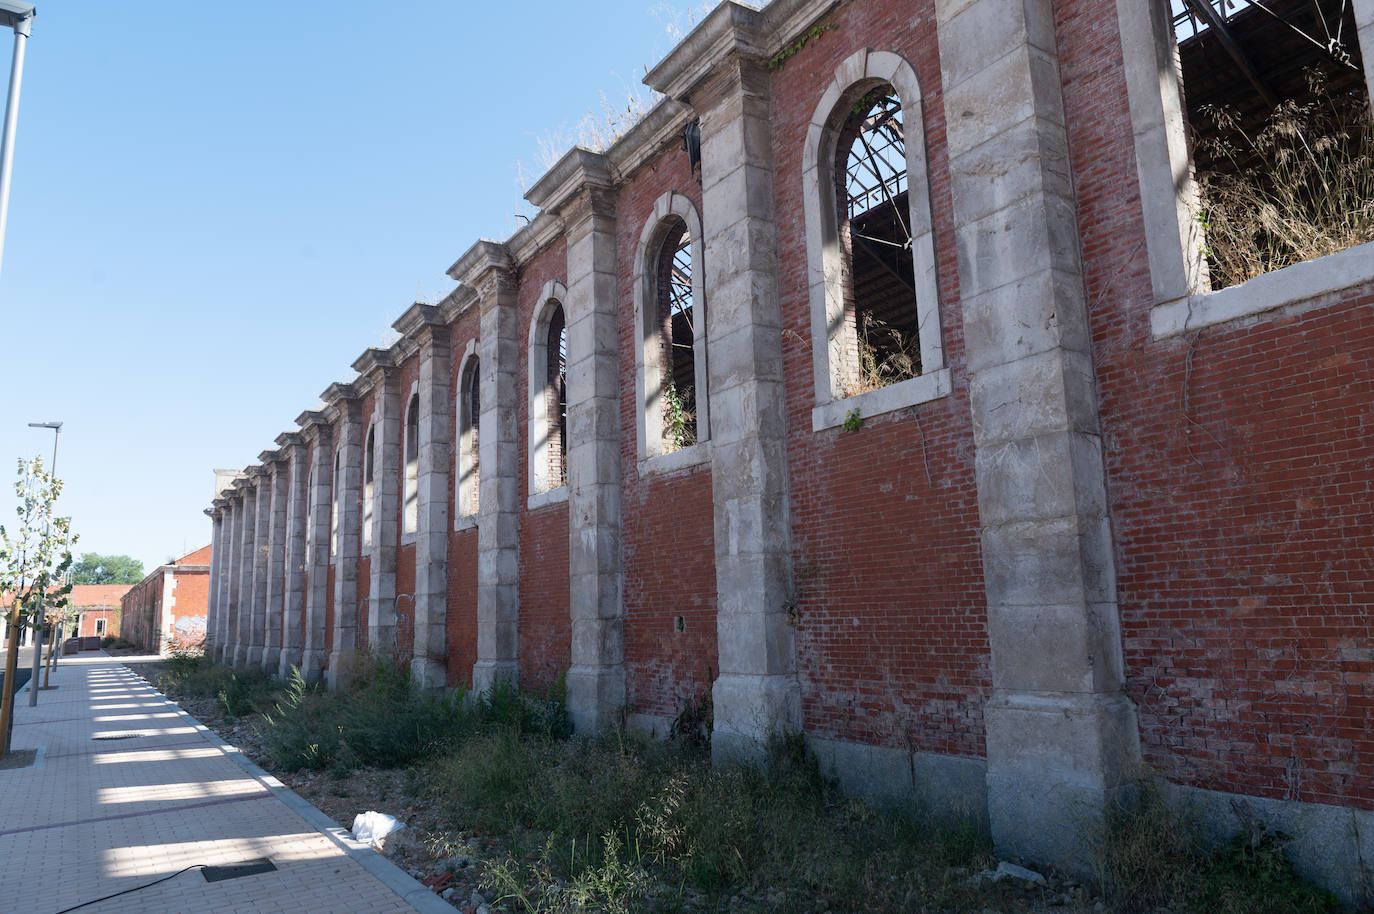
(923, 389)
(544, 499)
(465, 522)
(1303, 285)
(675, 461)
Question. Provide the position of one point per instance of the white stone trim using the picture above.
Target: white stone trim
(922, 389)
(554, 292)
(463, 450)
(1174, 239)
(369, 486)
(543, 499)
(466, 522)
(410, 481)
(647, 368)
(855, 76)
(1304, 286)
(686, 458)
(335, 499)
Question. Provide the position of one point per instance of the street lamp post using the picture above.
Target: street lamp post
(17, 16)
(38, 631)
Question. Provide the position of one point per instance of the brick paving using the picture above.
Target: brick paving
(94, 816)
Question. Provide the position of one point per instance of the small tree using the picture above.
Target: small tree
(34, 556)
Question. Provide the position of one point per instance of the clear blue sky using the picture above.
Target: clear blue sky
(217, 207)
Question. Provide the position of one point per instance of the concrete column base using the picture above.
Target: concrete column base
(312, 665)
(271, 660)
(429, 675)
(288, 659)
(239, 658)
(596, 698)
(487, 673)
(1056, 765)
(254, 657)
(750, 711)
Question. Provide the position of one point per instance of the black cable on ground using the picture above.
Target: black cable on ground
(137, 888)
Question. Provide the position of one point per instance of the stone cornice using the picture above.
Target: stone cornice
(416, 318)
(479, 260)
(457, 303)
(220, 503)
(337, 393)
(782, 20)
(729, 30)
(540, 232)
(289, 439)
(270, 457)
(661, 126)
(373, 359)
(254, 472)
(311, 418)
(579, 168)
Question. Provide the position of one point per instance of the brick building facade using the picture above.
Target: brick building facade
(1110, 516)
(167, 609)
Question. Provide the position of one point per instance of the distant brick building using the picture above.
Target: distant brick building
(99, 606)
(1107, 513)
(166, 610)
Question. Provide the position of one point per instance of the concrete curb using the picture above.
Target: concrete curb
(389, 874)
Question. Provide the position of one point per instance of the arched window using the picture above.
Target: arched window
(334, 507)
(410, 508)
(548, 392)
(469, 423)
(309, 514)
(369, 456)
(875, 318)
(670, 314)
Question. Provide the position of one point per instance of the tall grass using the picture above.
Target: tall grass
(1300, 187)
(615, 823)
(1153, 858)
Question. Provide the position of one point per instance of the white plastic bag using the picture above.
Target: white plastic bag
(372, 827)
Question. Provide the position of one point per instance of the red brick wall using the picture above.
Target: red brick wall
(545, 627)
(668, 523)
(892, 635)
(461, 608)
(1239, 471)
(405, 554)
(365, 607)
(191, 600)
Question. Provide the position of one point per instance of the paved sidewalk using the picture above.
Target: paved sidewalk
(128, 789)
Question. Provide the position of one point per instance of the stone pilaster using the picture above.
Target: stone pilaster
(1060, 730)
(429, 666)
(487, 269)
(213, 606)
(386, 475)
(228, 583)
(756, 695)
(243, 635)
(262, 516)
(579, 189)
(278, 483)
(297, 514)
(320, 436)
(345, 411)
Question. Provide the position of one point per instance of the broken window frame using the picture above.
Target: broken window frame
(657, 451)
(548, 439)
(1174, 236)
(369, 484)
(468, 480)
(410, 490)
(833, 338)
